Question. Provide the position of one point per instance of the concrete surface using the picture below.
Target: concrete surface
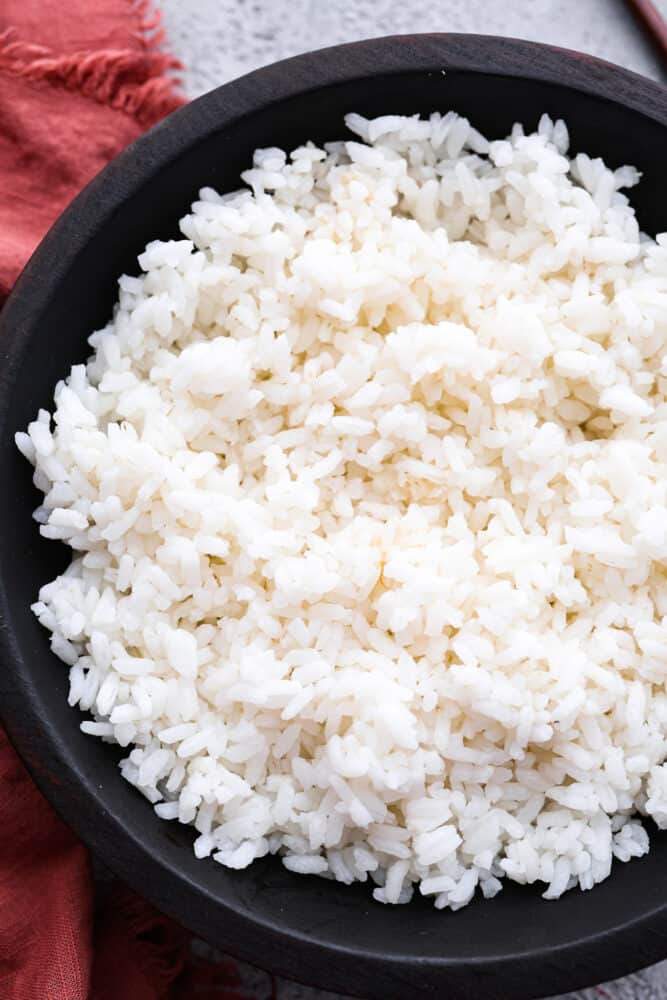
(218, 40)
(221, 39)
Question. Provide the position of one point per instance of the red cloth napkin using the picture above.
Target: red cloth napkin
(79, 80)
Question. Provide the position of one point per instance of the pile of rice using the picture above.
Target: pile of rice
(366, 483)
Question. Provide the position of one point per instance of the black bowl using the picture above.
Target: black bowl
(516, 945)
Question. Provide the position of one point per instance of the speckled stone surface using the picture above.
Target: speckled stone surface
(221, 39)
(218, 40)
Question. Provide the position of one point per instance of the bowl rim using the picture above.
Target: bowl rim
(22, 709)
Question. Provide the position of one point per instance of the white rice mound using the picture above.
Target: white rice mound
(366, 483)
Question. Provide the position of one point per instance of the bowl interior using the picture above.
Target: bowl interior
(305, 927)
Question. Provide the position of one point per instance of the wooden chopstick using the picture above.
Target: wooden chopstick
(654, 24)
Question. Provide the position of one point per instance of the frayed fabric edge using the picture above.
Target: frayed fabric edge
(140, 83)
(149, 30)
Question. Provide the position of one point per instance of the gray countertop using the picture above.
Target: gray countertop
(218, 40)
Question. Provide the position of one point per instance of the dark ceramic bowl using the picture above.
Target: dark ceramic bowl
(516, 945)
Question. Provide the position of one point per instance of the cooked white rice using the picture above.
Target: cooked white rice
(366, 483)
